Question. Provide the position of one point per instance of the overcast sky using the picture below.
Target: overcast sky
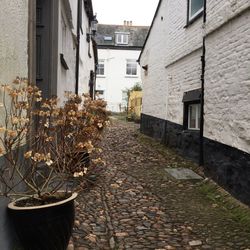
(140, 12)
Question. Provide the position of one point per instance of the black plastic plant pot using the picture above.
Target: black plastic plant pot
(46, 227)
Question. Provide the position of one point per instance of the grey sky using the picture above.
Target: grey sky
(140, 12)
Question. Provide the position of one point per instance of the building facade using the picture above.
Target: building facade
(196, 85)
(46, 42)
(119, 47)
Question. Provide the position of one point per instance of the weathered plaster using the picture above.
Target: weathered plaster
(13, 39)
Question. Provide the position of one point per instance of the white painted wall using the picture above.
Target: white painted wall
(66, 78)
(227, 84)
(115, 79)
(13, 39)
(173, 53)
(87, 62)
(66, 46)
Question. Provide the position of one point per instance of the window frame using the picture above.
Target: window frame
(123, 40)
(130, 61)
(199, 13)
(100, 62)
(197, 116)
(191, 97)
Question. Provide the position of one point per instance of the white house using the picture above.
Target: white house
(119, 47)
(50, 42)
(196, 86)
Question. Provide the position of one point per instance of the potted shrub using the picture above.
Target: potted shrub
(38, 141)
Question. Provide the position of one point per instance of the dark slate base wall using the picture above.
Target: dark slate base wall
(228, 166)
(172, 134)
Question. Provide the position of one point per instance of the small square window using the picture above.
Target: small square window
(100, 67)
(195, 8)
(131, 67)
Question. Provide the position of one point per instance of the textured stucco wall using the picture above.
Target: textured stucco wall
(227, 84)
(115, 79)
(13, 39)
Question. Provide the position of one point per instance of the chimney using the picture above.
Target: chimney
(130, 23)
(124, 22)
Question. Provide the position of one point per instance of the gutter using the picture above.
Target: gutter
(203, 68)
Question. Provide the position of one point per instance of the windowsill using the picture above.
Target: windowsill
(194, 131)
(131, 76)
(189, 22)
(100, 76)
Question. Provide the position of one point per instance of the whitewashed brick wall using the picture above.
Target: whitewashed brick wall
(173, 55)
(183, 76)
(220, 11)
(227, 84)
(169, 42)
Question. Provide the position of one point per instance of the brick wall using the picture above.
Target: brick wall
(227, 84)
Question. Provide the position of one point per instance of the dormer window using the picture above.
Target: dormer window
(121, 38)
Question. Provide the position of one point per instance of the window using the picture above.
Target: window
(131, 67)
(194, 111)
(122, 38)
(107, 38)
(100, 68)
(195, 7)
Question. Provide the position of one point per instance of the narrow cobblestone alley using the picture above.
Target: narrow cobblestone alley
(135, 204)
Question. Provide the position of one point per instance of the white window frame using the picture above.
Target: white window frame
(197, 116)
(123, 38)
(100, 62)
(196, 13)
(131, 61)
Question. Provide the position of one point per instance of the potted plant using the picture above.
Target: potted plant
(38, 139)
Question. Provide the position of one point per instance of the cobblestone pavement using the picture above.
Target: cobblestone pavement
(134, 204)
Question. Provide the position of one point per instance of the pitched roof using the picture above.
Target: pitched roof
(105, 35)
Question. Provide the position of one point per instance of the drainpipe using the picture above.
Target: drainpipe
(203, 66)
(78, 47)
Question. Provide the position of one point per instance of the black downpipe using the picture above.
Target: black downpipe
(203, 66)
(78, 46)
